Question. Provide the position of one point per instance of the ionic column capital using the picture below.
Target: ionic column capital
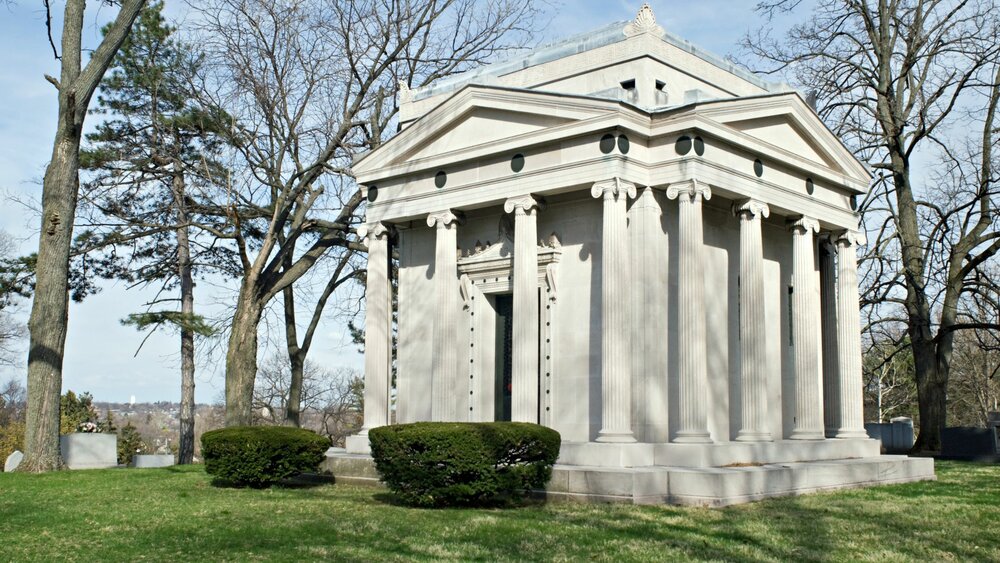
(756, 209)
(691, 188)
(848, 237)
(441, 219)
(523, 205)
(803, 225)
(609, 189)
(376, 230)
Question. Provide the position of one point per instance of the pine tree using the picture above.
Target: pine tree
(151, 158)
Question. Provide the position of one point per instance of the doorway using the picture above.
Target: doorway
(504, 304)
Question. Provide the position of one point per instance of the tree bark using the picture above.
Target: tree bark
(241, 356)
(60, 188)
(185, 454)
(296, 358)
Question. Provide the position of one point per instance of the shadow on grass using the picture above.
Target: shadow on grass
(501, 503)
(304, 481)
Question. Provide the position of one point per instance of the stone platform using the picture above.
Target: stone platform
(685, 485)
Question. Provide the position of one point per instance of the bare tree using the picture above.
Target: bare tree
(60, 186)
(891, 77)
(310, 84)
(11, 331)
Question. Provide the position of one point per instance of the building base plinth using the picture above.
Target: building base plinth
(358, 444)
(693, 486)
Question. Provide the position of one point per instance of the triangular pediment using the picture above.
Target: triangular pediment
(786, 123)
(479, 126)
(480, 116)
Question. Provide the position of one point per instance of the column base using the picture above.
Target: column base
(849, 433)
(358, 443)
(806, 435)
(753, 436)
(692, 437)
(615, 437)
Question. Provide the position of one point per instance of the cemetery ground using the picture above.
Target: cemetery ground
(177, 514)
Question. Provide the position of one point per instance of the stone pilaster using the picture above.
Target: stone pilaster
(444, 364)
(753, 325)
(524, 376)
(828, 319)
(693, 385)
(849, 337)
(808, 424)
(616, 378)
(378, 328)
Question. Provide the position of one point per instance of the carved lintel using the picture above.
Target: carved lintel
(442, 219)
(849, 237)
(613, 188)
(803, 224)
(525, 204)
(690, 188)
(377, 230)
(644, 22)
(752, 207)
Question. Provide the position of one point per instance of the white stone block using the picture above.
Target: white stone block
(13, 460)
(145, 461)
(89, 451)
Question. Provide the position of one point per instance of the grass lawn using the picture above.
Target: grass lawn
(176, 514)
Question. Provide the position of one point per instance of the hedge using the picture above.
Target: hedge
(259, 456)
(463, 463)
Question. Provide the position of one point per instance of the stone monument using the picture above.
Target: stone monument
(638, 244)
(13, 461)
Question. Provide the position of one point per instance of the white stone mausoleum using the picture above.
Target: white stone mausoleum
(638, 244)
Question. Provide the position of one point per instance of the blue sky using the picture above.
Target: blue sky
(100, 355)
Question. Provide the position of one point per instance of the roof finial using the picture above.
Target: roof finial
(644, 22)
(405, 94)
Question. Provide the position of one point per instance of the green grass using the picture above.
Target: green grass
(176, 514)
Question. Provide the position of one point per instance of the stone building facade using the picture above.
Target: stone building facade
(637, 244)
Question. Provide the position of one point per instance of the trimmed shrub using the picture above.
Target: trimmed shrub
(463, 463)
(259, 456)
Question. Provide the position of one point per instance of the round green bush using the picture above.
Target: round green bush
(463, 463)
(259, 456)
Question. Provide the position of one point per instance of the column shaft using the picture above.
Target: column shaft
(808, 424)
(693, 385)
(524, 377)
(849, 338)
(378, 329)
(753, 327)
(446, 319)
(616, 377)
(828, 317)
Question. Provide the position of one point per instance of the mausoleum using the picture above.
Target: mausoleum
(638, 244)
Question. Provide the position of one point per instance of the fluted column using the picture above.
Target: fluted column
(446, 319)
(616, 376)
(693, 386)
(828, 318)
(378, 328)
(524, 376)
(808, 424)
(849, 337)
(753, 325)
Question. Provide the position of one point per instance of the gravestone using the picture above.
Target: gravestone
(89, 451)
(13, 460)
(145, 461)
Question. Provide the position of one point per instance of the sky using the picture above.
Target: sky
(101, 354)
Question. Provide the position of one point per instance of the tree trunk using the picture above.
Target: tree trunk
(292, 416)
(241, 357)
(60, 188)
(185, 454)
(296, 355)
(50, 306)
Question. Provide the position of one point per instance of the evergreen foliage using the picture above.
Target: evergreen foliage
(130, 443)
(259, 456)
(74, 410)
(463, 463)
